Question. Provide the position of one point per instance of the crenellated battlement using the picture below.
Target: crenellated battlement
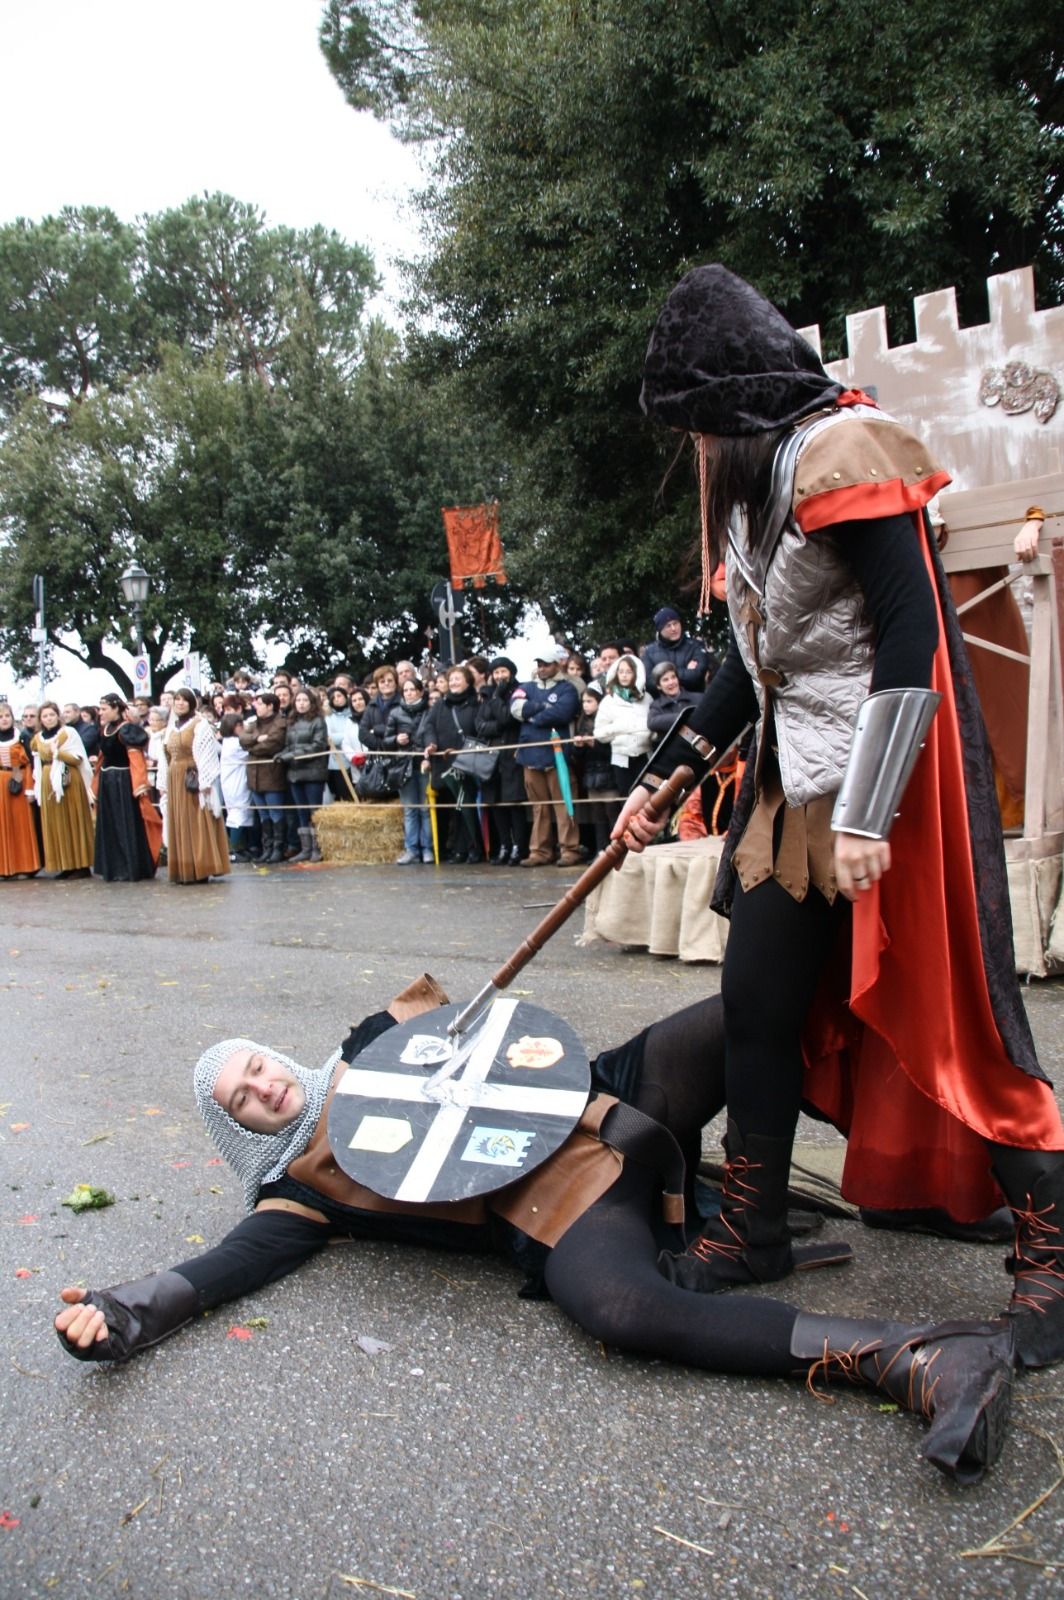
(939, 383)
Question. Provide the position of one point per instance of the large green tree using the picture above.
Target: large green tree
(148, 372)
(151, 472)
(839, 153)
(87, 300)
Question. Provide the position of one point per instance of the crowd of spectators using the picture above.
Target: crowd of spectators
(484, 765)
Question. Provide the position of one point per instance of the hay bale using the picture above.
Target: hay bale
(367, 834)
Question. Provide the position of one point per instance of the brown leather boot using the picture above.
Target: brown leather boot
(958, 1375)
(750, 1242)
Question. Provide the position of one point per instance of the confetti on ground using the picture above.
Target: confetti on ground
(239, 1332)
(27, 1219)
(8, 1521)
(18, 1127)
(23, 1272)
(178, 1165)
(153, 1111)
(216, 1161)
(194, 1238)
(86, 1197)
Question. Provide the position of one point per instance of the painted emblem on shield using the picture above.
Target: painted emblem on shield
(498, 1147)
(534, 1055)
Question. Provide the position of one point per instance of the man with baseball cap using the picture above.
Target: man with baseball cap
(545, 705)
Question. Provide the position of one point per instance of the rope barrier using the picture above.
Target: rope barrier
(405, 750)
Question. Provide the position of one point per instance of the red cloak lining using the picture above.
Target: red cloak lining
(906, 1058)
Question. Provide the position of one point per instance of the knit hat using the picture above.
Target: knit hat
(503, 661)
(723, 361)
(259, 1158)
(665, 615)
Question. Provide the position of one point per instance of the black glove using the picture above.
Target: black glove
(138, 1315)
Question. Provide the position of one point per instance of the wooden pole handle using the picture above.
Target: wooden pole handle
(660, 804)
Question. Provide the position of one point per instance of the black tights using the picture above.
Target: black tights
(777, 949)
(603, 1273)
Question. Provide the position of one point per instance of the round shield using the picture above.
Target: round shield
(422, 1116)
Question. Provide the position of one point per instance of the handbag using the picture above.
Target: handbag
(400, 771)
(14, 783)
(192, 780)
(373, 782)
(472, 758)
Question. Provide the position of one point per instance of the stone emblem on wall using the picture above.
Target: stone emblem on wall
(1017, 387)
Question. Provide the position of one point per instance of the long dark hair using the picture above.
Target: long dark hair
(734, 476)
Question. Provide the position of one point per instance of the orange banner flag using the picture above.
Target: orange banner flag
(474, 544)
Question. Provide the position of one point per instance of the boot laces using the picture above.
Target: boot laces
(1038, 1260)
(737, 1195)
(844, 1365)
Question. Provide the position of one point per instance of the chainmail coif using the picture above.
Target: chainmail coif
(259, 1158)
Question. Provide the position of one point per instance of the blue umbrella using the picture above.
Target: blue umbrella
(563, 771)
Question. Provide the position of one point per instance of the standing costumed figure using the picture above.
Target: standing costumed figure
(196, 844)
(128, 828)
(871, 981)
(62, 782)
(19, 855)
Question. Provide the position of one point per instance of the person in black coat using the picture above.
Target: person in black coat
(670, 699)
(593, 761)
(694, 663)
(505, 790)
(455, 717)
(403, 735)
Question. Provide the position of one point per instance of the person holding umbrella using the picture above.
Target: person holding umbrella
(547, 704)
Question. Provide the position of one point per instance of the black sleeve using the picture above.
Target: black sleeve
(886, 559)
(262, 1248)
(728, 704)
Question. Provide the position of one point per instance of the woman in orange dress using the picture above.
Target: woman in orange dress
(62, 783)
(18, 839)
(197, 848)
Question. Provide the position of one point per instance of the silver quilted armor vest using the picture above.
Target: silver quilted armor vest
(814, 639)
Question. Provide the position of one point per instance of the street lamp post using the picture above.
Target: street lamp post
(135, 585)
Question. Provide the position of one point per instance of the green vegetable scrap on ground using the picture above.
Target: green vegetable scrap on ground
(86, 1197)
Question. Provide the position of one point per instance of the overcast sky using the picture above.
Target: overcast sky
(138, 105)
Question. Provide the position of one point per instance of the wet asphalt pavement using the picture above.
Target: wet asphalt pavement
(494, 1449)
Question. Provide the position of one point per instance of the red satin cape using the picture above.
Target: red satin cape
(902, 1052)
